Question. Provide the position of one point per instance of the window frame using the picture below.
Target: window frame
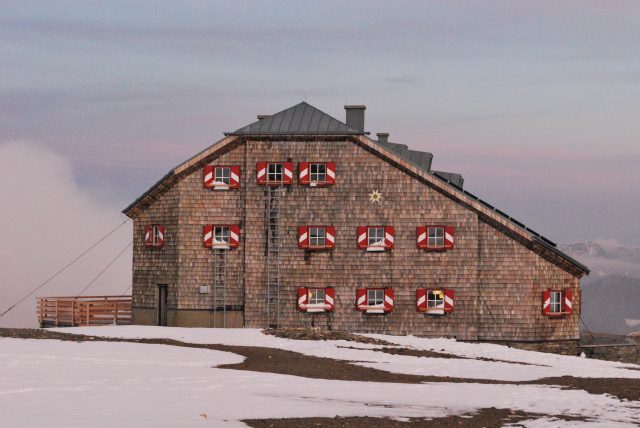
(434, 308)
(324, 236)
(375, 290)
(376, 244)
(215, 234)
(223, 168)
(310, 298)
(311, 174)
(155, 235)
(436, 245)
(559, 304)
(281, 173)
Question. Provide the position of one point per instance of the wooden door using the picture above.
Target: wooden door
(162, 305)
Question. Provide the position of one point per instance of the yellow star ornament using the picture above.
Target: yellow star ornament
(375, 197)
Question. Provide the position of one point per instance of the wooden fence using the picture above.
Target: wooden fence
(83, 311)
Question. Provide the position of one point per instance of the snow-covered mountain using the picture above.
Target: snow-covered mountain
(605, 258)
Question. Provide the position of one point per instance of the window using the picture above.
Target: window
(555, 306)
(375, 297)
(435, 237)
(375, 236)
(316, 296)
(222, 175)
(317, 237)
(435, 299)
(318, 172)
(274, 172)
(221, 235)
(156, 235)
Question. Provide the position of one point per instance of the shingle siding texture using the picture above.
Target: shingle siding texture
(485, 262)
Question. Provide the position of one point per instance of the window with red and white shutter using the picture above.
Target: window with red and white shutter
(435, 237)
(221, 177)
(311, 299)
(274, 173)
(375, 238)
(434, 301)
(374, 300)
(220, 236)
(316, 173)
(556, 303)
(316, 237)
(154, 235)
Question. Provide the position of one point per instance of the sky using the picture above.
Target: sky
(536, 104)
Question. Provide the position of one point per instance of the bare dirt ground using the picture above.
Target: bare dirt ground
(280, 361)
(490, 417)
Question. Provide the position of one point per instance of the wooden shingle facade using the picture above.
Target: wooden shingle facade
(502, 280)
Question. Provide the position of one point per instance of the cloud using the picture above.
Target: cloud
(48, 220)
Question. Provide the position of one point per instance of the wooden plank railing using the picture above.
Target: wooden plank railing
(84, 311)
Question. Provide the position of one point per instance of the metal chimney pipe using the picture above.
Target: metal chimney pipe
(355, 116)
(383, 137)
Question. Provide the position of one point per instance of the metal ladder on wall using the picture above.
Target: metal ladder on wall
(272, 220)
(219, 286)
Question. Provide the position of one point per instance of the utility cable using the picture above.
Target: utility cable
(64, 268)
(105, 269)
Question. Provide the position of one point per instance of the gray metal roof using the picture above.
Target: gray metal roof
(301, 119)
(452, 177)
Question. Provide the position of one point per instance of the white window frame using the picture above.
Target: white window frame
(272, 177)
(316, 300)
(317, 177)
(435, 239)
(223, 232)
(222, 174)
(555, 307)
(433, 302)
(380, 239)
(378, 297)
(155, 234)
(320, 239)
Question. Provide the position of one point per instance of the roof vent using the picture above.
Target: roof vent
(383, 137)
(355, 116)
(263, 116)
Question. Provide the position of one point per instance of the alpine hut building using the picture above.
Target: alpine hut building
(299, 219)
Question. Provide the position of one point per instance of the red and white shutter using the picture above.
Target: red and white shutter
(362, 237)
(449, 296)
(546, 302)
(421, 299)
(261, 172)
(234, 180)
(329, 298)
(388, 236)
(287, 177)
(448, 237)
(160, 242)
(388, 299)
(207, 180)
(302, 298)
(234, 235)
(304, 175)
(331, 173)
(421, 234)
(330, 235)
(361, 299)
(148, 236)
(568, 301)
(303, 237)
(207, 235)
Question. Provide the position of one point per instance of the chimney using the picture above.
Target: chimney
(355, 117)
(263, 116)
(383, 137)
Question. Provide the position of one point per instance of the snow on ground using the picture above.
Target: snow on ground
(540, 364)
(50, 383)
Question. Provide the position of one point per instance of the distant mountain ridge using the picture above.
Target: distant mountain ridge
(611, 305)
(604, 260)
